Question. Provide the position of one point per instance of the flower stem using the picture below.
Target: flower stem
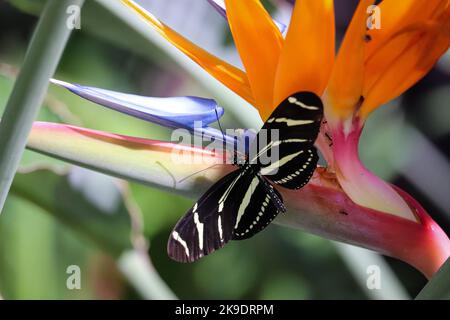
(321, 207)
(324, 143)
(361, 185)
(140, 272)
(42, 58)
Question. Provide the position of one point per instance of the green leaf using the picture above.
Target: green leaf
(29, 6)
(43, 55)
(67, 202)
(96, 207)
(439, 286)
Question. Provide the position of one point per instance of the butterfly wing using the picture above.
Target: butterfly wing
(243, 202)
(259, 205)
(209, 224)
(297, 121)
(297, 117)
(295, 166)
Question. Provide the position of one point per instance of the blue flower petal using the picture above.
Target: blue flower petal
(219, 5)
(192, 113)
(170, 112)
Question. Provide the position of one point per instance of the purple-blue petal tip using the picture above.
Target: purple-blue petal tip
(192, 113)
(171, 111)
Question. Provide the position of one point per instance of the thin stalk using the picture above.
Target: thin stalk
(360, 261)
(138, 269)
(41, 60)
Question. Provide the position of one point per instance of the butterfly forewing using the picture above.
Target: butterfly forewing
(209, 224)
(297, 121)
(297, 117)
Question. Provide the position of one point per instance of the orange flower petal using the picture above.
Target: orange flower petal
(428, 41)
(346, 83)
(308, 54)
(259, 43)
(230, 76)
(396, 15)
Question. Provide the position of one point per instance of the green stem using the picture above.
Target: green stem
(439, 286)
(41, 60)
(136, 266)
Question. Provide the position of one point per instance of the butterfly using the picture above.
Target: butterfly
(244, 202)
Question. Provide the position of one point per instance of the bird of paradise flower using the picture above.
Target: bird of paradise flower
(343, 201)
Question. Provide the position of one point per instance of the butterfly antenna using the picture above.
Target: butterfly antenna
(220, 126)
(193, 174)
(223, 134)
(210, 167)
(169, 173)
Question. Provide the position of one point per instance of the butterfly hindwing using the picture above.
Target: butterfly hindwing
(294, 168)
(297, 121)
(257, 208)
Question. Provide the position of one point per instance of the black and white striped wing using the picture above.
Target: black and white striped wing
(258, 206)
(295, 166)
(297, 117)
(297, 121)
(209, 224)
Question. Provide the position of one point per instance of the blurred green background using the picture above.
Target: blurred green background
(58, 215)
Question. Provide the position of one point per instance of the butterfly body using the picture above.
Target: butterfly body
(244, 202)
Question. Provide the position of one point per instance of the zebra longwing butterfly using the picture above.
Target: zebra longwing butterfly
(244, 202)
